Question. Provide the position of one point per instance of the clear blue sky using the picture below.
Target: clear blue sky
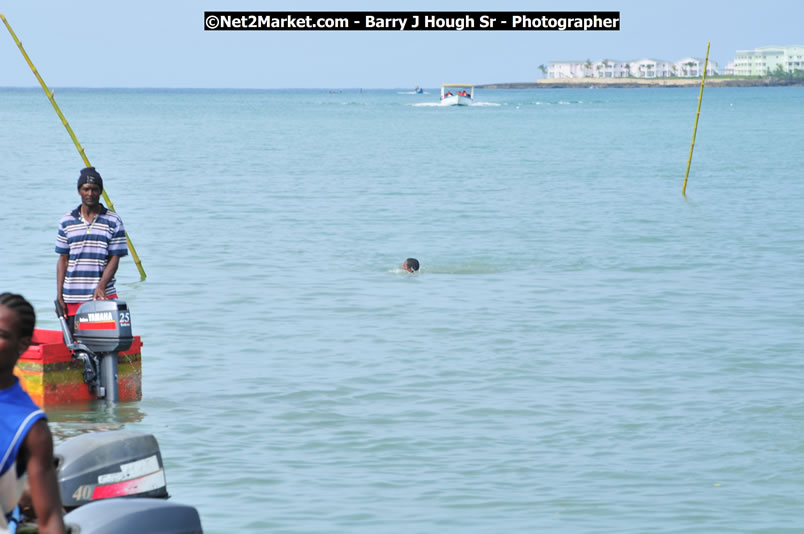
(148, 43)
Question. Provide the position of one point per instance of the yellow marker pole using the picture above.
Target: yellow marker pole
(49, 94)
(697, 114)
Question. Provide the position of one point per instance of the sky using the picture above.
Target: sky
(149, 43)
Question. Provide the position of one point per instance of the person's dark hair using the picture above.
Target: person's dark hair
(24, 310)
(413, 263)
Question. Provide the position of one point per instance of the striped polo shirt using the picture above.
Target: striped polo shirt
(89, 246)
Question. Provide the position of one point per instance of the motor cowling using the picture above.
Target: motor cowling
(102, 465)
(133, 516)
(104, 326)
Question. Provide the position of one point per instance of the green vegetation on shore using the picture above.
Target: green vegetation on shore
(787, 78)
(772, 79)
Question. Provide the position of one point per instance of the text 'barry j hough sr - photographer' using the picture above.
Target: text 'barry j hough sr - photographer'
(411, 21)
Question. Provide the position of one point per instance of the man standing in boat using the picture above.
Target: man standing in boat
(90, 242)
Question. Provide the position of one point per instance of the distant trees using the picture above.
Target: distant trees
(782, 75)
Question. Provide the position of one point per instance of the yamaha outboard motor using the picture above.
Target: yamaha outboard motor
(101, 465)
(102, 329)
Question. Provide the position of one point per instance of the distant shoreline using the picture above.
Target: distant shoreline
(569, 83)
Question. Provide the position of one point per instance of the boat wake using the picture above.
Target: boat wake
(442, 105)
(471, 268)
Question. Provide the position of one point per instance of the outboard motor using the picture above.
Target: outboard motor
(96, 470)
(101, 465)
(102, 330)
(133, 516)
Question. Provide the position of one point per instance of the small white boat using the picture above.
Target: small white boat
(457, 94)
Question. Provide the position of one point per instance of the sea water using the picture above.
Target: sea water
(583, 350)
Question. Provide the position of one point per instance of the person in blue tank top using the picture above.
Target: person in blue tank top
(26, 444)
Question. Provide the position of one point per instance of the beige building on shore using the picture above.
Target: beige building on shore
(688, 67)
(767, 59)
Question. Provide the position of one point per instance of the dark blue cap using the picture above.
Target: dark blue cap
(90, 176)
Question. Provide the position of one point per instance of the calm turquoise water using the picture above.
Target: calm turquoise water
(584, 349)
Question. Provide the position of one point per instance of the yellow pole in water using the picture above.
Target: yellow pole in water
(49, 94)
(697, 114)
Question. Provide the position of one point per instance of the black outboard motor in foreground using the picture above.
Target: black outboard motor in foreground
(114, 482)
(101, 465)
(133, 516)
(102, 330)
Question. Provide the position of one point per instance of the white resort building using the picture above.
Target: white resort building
(757, 62)
(761, 61)
(689, 67)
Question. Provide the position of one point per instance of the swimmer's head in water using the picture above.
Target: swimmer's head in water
(410, 265)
